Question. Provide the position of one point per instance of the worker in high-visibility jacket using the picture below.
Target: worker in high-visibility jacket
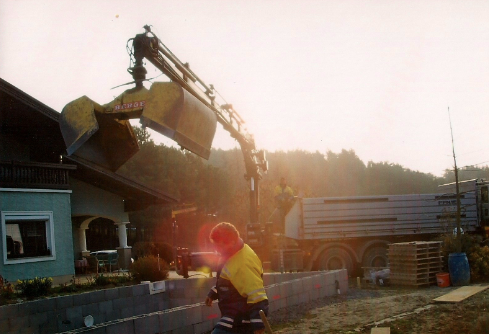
(284, 195)
(284, 199)
(239, 285)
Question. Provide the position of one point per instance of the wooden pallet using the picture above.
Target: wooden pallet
(415, 263)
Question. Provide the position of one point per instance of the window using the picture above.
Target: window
(27, 236)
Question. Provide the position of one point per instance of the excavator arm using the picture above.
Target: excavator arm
(185, 110)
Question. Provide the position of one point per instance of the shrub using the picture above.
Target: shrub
(31, 288)
(6, 290)
(144, 248)
(146, 268)
(450, 245)
(479, 262)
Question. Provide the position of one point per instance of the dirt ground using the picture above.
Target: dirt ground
(404, 310)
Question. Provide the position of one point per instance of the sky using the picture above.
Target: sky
(382, 78)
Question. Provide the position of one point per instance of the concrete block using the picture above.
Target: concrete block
(148, 324)
(125, 326)
(280, 303)
(54, 319)
(121, 303)
(127, 311)
(305, 297)
(285, 289)
(141, 309)
(210, 313)
(163, 305)
(179, 292)
(48, 328)
(28, 330)
(177, 319)
(273, 292)
(63, 302)
(4, 325)
(90, 309)
(98, 330)
(105, 306)
(164, 321)
(178, 302)
(38, 319)
(268, 279)
(189, 329)
(296, 286)
(141, 299)
(81, 299)
(8, 311)
(292, 300)
(203, 327)
(27, 308)
(45, 304)
(307, 284)
(330, 290)
(201, 292)
(75, 316)
(112, 315)
(125, 292)
(111, 294)
(194, 314)
(280, 278)
(97, 296)
(140, 289)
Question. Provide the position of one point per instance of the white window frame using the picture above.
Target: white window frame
(47, 216)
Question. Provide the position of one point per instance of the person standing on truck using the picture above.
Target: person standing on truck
(239, 286)
(284, 198)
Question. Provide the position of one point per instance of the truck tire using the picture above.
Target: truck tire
(376, 257)
(335, 258)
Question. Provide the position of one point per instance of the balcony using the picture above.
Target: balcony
(15, 174)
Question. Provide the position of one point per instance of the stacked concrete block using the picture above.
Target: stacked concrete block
(177, 308)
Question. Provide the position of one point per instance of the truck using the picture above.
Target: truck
(328, 233)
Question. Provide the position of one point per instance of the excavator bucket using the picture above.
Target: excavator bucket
(102, 134)
(177, 114)
(91, 134)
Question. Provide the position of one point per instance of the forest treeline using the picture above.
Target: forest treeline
(219, 191)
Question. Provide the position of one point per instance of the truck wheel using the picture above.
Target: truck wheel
(376, 257)
(335, 258)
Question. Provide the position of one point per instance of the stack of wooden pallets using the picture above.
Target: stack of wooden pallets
(415, 263)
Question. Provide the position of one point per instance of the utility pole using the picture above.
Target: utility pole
(457, 190)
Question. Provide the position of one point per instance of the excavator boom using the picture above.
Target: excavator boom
(185, 110)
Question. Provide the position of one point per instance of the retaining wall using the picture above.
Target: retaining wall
(166, 307)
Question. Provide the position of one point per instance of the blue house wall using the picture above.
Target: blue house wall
(42, 200)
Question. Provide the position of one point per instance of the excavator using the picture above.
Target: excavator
(185, 109)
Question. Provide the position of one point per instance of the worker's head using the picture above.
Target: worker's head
(283, 181)
(224, 237)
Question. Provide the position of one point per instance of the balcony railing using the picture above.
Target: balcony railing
(15, 174)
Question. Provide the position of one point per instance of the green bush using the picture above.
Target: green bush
(31, 288)
(145, 248)
(450, 245)
(149, 268)
(479, 263)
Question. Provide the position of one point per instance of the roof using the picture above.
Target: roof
(37, 125)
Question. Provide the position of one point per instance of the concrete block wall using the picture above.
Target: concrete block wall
(136, 309)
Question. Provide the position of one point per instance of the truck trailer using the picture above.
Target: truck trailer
(327, 233)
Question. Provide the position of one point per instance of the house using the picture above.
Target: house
(49, 200)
